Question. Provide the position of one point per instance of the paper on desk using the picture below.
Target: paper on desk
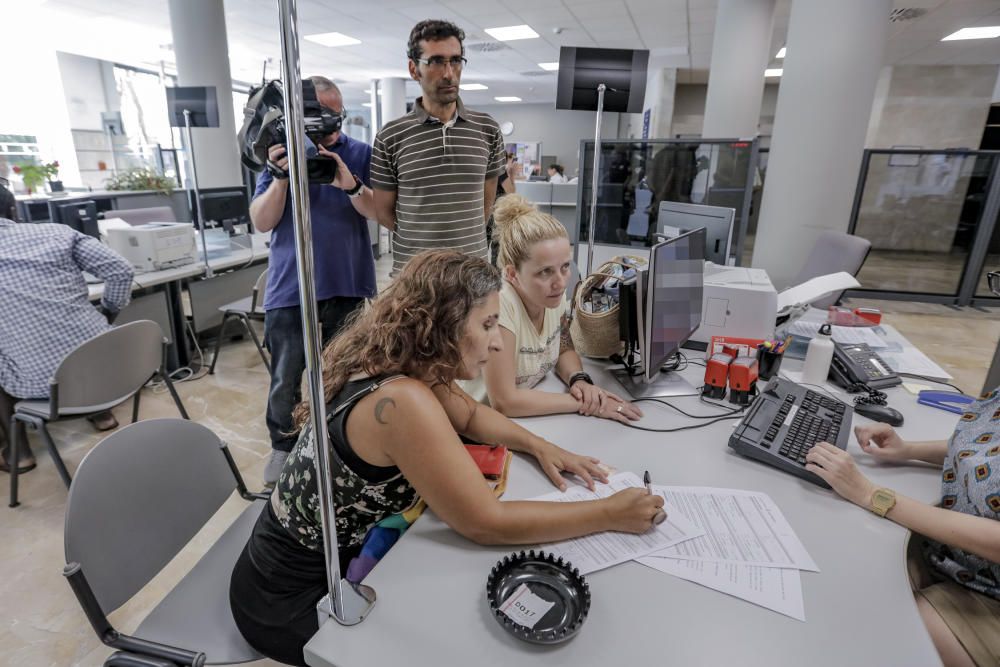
(600, 550)
(775, 588)
(815, 288)
(743, 527)
(842, 335)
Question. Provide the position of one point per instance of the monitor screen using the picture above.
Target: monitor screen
(80, 215)
(201, 101)
(675, 282)
(674, 219)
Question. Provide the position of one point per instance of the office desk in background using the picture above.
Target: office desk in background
(164, 301)
(859, 608)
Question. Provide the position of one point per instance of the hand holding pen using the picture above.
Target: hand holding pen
(661, 514)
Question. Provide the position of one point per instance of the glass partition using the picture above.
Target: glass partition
(922, 211)
(635, 176)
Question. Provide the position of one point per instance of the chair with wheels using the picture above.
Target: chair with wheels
(245, 310)
(138, 498)
(99, 374)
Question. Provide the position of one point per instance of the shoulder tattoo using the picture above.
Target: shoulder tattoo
(380, 407)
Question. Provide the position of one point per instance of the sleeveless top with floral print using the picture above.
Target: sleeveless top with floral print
(363, 494)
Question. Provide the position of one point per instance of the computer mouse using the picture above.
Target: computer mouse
(880, 413)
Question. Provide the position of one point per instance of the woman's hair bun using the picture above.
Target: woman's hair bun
(510, 208)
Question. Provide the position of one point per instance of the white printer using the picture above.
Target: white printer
(154, 246)
(737, 301)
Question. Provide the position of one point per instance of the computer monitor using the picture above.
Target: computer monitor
(675, 283)
(81, 215)
(659, 312)
(221, 206)
(675, 218)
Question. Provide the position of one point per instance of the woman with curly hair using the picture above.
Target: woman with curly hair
(395, 414)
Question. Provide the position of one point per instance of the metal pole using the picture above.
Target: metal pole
(197, 194)
(348, 604)
(593, 186)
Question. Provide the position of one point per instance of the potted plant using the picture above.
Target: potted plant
(141, 178)
(33, 175)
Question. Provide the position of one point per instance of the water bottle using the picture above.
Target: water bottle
(818, 357)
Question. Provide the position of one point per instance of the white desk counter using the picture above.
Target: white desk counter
(257, 252)
(432, 609)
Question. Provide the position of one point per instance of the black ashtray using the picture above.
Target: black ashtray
(550, 578)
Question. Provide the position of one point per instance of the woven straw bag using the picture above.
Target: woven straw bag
(596, 335)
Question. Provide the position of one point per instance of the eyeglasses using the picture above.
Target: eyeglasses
(439, 62)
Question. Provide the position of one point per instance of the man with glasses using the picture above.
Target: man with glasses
(435, 170)
(344, 266)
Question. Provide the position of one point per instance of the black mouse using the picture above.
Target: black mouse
(880, 413)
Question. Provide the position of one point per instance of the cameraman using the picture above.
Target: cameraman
(344, 265)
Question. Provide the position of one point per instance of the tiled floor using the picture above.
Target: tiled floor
(42, 623)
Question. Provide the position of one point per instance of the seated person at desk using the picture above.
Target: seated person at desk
(535, 258)
(46, 313)
(955, 567)
(556, 174)
(395, 414)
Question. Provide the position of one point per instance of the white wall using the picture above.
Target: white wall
(559, 130)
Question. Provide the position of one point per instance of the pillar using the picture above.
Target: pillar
(202, 53)
(741, 49)
(824, 105)
(393, 102)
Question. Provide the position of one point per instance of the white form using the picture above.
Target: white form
(842, 335)
(600, 550)
(778, 589)
(744, 527)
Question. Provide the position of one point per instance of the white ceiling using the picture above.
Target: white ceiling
(677, 32)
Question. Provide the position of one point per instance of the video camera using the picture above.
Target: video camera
(264, 126)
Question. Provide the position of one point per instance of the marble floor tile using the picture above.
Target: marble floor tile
(42, 623)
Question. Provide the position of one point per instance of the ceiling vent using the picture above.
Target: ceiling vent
(906, 14)
(486, 47)
(537, 73)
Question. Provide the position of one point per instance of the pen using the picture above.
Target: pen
(661, 515)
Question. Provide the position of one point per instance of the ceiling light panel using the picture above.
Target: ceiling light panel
(511, 32)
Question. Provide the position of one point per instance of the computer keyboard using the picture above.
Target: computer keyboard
(785, 422)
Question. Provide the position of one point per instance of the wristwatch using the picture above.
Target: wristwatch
(356, 190)
(882, 501)
(579, 375)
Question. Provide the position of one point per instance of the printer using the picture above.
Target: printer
(154, 246)
(736, 301)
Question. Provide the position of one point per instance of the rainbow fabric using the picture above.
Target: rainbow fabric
(380, 539)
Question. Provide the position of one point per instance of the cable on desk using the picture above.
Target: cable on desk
(928, 379)
(682, 428)
(728, 410)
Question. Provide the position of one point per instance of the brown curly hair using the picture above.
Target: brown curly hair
(414, 327)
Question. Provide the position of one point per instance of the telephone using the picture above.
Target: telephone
(857, 363)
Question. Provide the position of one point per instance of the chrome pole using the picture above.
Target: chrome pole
(593, 185)
(197, 194)
(347, 603)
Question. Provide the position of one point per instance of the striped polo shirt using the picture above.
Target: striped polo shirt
(438, 171)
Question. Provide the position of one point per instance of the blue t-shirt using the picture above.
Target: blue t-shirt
(342, 248)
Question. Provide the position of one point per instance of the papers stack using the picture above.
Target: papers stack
(736, 542)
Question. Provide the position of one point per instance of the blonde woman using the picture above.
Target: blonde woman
(535, 258)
